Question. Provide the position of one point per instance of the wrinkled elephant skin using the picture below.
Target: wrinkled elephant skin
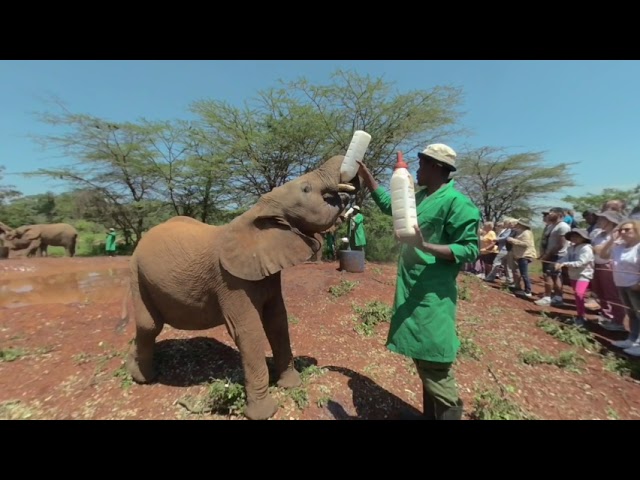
(194, 276)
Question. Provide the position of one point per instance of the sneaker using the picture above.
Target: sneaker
(557, 302)
(579, 321)
(624, 343)
(528, 294)
(612, 326)
(544, 301)
(633, 351)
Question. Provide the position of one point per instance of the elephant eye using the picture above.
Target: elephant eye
(306, 188)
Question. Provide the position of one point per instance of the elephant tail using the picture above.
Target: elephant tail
(125, 313)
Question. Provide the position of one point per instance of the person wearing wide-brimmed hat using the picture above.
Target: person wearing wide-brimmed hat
(523, 253)
(611, 311)
(623, 248)
(423, 322)
(579, 263)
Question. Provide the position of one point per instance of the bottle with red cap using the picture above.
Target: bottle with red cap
(403, 200)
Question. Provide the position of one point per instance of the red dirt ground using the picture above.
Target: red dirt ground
(61, 358)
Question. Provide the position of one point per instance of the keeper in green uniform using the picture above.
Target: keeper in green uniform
(356, 234)
(110, 243)
(423, 324)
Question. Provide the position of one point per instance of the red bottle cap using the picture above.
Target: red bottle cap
(400, 163)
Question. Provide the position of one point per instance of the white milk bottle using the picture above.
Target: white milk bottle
(357, 148)
(403, 200)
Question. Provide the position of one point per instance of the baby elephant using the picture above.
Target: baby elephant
(194, 276)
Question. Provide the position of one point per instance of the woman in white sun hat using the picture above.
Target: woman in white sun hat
(624, 250)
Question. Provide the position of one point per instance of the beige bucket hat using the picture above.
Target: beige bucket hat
(441, 153)
(524, 222)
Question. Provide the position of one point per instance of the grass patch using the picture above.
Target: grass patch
(126, 381)
(16, 410)
(612, 414)
(11, 354)
(228, 396)
(293, 320)
(370, 315)
(464, 292)
(621, 366)
(491, 405)
(569, 334)
(469, 348)
(568, 360)
(344, 287)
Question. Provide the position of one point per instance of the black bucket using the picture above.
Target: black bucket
(351, 260)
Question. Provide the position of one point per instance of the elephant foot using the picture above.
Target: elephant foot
(290, 379)
(141, 371)
(261, 409)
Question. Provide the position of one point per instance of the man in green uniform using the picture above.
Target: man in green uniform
(110, 242)
(423, 325)
(357, 237)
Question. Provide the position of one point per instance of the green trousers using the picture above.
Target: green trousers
(440, 390)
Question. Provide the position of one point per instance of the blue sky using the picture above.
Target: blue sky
(576, 111)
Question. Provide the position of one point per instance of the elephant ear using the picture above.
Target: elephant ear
(253, 250)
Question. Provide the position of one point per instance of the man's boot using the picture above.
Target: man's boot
(444, 412)
(428, 409)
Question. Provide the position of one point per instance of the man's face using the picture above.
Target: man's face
(590, 218)
(423, 171)
(428, 168)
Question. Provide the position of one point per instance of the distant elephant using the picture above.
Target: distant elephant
(195, 276)
(19, 248)
(36, 238)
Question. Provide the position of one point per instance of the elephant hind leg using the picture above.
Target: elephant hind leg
(149, 324)
(71, 249)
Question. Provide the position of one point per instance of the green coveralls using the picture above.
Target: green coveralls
(110, 243)
(423, 325)
(357, 237)
(329, 245)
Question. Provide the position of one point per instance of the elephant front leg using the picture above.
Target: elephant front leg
(249, 340)
(276, 326)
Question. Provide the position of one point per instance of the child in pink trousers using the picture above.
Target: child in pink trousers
(579, 261)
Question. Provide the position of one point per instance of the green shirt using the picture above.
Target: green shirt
(424, 312)
(110, 243)
(357, 234)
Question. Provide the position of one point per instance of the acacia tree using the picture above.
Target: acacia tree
(7, 192)
(595, 202)
(190, 174)
(501, 183)
(289, 130)
(111, 159)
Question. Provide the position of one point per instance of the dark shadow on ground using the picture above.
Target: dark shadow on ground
(194, 361)
(371, 401)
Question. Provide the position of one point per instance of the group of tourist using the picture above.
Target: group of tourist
(601, 260)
